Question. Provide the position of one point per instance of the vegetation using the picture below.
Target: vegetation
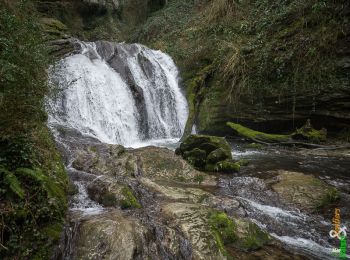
(239, 55)
(33, 182)
(223, 229)
(255, 135)
(130, 200)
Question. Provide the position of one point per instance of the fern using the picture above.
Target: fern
(12, 182)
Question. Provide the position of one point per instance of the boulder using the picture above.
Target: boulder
(208, 153)
(109, 236)
(304, 191)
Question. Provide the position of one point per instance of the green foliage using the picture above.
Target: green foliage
(33, 182)
(254, 239)
(10, 181)
(258, 51)
(23, 61)
(130, 200)
(199, 178)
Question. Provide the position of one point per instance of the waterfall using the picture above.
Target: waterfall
(118, 93)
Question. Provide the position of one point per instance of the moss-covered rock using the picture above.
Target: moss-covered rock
(208, 153)
(205, 142)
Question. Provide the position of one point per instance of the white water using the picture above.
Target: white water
(98, 101)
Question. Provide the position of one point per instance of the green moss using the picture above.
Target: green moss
(196, 157)
(223, 229)
(254, 146)
(243, 162)
(227, 166)
(130, 200)
(251, 134)
(308, 133)
(218, 155)
(254, 239)
(199, 178)
(205, 142)
(332, 196)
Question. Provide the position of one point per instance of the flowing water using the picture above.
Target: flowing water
(119, 93)
(128, 94)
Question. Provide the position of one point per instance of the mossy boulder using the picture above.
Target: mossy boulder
(205, 142)
(208, 153)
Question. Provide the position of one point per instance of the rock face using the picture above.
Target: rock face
(304, 191)
(208, 153)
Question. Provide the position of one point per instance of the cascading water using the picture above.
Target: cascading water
(119, 93)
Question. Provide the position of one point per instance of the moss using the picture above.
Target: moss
(205, 142)
(199, 178)
(255, 146)
(243, 162)
(196, 157)
(130, 200)
(254, 239)
(223, 229)
(255, 135)
(308, 133)
(331, 196)
(217, 155)
(54, 231)
(227, 166)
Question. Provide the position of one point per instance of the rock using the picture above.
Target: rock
(112, 5)
(109, 160)
(109, 236)
(206, 152)
(304, 191)
(108, 192)
(162, 164)
(192, 220)
(217, 156)
(194, 195)
(205, 142)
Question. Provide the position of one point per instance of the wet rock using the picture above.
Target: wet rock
(161, 163)
(110, 235)
(304, 191)
(192, 220)
(109, 160)
(194, 195)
